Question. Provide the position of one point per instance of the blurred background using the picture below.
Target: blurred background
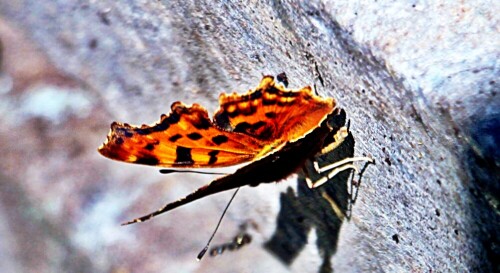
(419, 81)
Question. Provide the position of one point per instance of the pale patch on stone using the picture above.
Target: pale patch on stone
(99, 227)
(54, 104)
(6, 83)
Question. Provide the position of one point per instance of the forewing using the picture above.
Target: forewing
(184, 138)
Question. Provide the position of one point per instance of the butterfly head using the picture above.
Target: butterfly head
(335, 122)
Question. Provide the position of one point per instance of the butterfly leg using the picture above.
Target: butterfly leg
(336, 167)
(339, 166)
(337, 208)
(339, 138)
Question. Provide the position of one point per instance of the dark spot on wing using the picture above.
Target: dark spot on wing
(251, 129)
(147, 160)
(267, 133)
(194, 136)
(256, 95)
(119, 140)
(290, 94)
(213, 157)
(220, 139)
(272, 90)
(258, 124)
(233, 114)
(242, 127)
(174, 138)
(245, 127)
(183, 156)
(149, 147)
(268, 102)
(270, 114)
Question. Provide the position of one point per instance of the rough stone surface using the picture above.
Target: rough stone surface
(419, 82)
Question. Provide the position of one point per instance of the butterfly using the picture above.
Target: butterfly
(273, 129)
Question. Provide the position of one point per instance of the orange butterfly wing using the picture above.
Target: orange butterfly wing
(245, 128)
(185, 138)
(272, 113)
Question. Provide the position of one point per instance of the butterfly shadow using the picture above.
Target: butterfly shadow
(323, 208)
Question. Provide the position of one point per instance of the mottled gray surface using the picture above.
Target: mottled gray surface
(417, 81)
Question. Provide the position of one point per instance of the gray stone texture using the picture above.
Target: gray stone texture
(419, 81)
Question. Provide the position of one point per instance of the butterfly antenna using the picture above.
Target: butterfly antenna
(167, 171)
(202, 253)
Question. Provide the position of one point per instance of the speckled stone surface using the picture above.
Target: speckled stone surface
(419, 82)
